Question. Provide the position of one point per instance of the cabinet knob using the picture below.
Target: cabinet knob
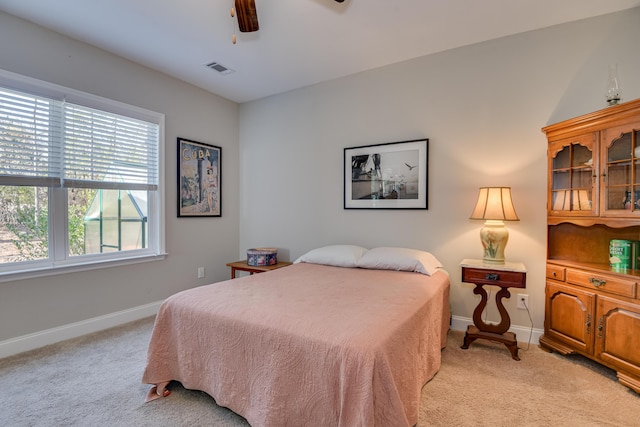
(600, 327)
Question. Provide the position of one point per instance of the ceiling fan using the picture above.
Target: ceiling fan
(247, 15)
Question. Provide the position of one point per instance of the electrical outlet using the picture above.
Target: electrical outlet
(523, 301)
(200, 272)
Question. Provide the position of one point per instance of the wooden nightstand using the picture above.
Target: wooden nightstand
(507, 275)
(243, 266)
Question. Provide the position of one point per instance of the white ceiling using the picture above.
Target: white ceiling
(300, 42)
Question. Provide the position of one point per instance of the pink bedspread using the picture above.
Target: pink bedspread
(306, 344)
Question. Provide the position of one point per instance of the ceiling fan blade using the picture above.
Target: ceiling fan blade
(247, 15)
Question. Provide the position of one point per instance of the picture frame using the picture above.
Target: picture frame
(391, 175)
(199, 179)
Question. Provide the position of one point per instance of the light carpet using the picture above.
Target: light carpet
(95, 380)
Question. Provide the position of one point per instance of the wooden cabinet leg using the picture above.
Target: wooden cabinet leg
(467, 340)
(513, 348)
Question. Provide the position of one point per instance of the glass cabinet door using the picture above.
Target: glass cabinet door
(621, 175)
(571, 179)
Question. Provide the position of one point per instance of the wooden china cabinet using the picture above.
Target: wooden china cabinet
(592, 308)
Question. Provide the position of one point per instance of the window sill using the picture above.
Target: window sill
(51, 270)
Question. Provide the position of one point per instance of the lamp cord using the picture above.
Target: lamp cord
(486, 309)
(531, 329)
(486, 314)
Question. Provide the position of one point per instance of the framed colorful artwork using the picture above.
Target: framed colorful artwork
(199, 172)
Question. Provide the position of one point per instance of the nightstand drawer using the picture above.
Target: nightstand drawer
(512, 279)
(556, 272)
(602, 282)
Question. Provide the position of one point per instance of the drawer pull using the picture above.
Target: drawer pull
(588, 324)
(492, 276)
(597, 282)
(554, 274)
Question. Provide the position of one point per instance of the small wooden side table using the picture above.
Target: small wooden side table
(507, 275)
(243, 266)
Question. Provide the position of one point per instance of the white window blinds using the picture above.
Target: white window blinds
(48, 142)
(28, 124)
(106, 150)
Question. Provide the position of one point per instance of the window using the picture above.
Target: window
(80, 180)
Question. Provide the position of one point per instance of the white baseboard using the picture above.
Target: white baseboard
(50, 336)
(522, 332)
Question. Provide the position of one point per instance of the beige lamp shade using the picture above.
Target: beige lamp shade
(494, 205)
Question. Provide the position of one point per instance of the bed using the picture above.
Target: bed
(337, 341)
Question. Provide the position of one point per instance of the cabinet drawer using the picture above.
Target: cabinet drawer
(512, 279)
(555, 272)
(602, 282)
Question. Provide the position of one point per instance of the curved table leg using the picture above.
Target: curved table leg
(494, 332)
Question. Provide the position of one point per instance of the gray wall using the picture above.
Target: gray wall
(29, 306)
(482, 108)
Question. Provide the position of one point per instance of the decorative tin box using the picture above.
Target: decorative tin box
(262, 256)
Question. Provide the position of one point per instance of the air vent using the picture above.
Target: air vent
(216, 66)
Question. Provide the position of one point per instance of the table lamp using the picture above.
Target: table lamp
(494, 206)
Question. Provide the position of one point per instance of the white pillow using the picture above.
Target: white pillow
(385, 258)
(336, 255)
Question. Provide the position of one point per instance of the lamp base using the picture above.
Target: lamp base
(494, 236)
